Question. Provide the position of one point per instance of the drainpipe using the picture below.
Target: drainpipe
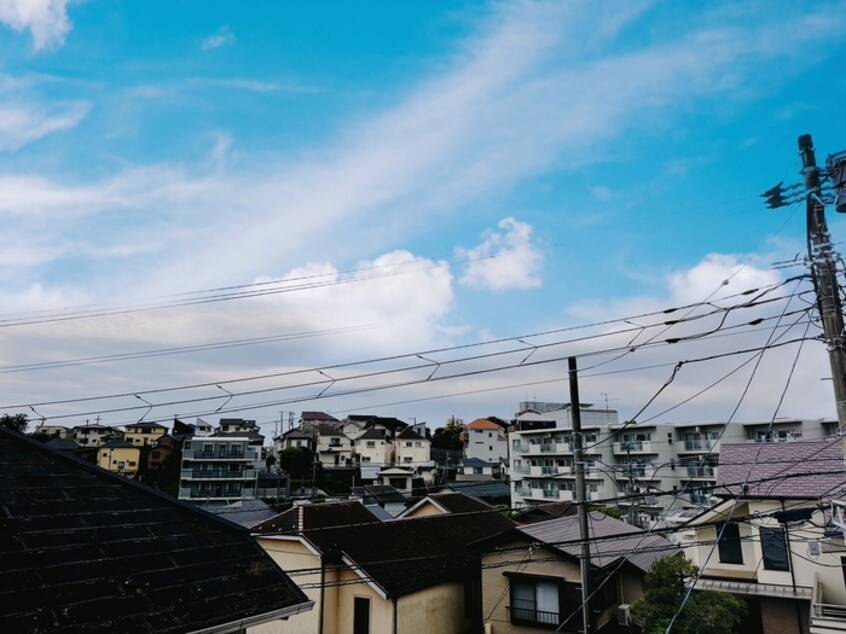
(396, 602)
(792, 573)
(322, 594)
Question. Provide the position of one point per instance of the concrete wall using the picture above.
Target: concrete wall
(439, 609)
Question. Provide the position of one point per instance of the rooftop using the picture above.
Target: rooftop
(82, 549)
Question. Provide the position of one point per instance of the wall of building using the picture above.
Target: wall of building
(438, 609)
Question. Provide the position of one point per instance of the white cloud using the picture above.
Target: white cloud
(223, 37)
(504, 260)
(46, 20)
(23, 123)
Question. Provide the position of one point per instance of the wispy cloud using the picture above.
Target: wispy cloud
(24, 122)
(223, 37)
(504, 260)
(46, 20)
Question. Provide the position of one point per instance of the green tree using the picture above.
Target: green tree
(705, 613)
(449, 437)
(499, 421)
(270, 461)
(18, 422)
(296, 462)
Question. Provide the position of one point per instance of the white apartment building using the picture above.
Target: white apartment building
(651, 468)
(218, 469)
(486, 441)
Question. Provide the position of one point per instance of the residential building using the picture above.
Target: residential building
(293, 438)
(219, 469)
(247, 513)
(120, 457)
(383, 496)
(85, 550)
(440, 503)
(531, 576)
(144, 434)
(53, 431)
(236, 425)
(411, 449)
(413, 576)
(544, 512)
(769, 540)
(334, 448)
(164, 447)
(400, 479)
(93, 435)
(477, 470)
(485, 440)
(373, 447)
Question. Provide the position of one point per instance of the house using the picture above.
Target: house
(120, 457)
(52, 431)
(544, 512)
(144, 434)
(93, 435)
(412, 576)
(293, 438)
(233, 425)
(334, 448)
(219, 469)
(373, 447)
(485, 440)
(383, 496)
(770, 541)
(412, 449)
(164, 447)
(440, 503)
(247, 513)
(477, 470)
(398, 478)
(531, 576)
(85, 550)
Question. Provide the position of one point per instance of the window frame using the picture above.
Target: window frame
(730, 544)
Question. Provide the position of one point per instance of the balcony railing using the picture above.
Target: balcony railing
(521, 469)
(201, 454)
(218, 474)
(633, 446)
(529, 616)
(829, 617)
(704, 471)
(696, 445)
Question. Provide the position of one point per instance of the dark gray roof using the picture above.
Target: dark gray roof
(544, 512)
(436, 546)
(297, 433)
(318, 416)
(483, 490)
(379, 494)
(146, 426)
(372, 434)
(409, 434)
(801, 469)
(644, 549)
(313, 516)
(63, 444)
(118, 443)
(247, 513)
(85, 550)
(477, 462)
(459, 503)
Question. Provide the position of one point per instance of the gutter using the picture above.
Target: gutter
(251, 621)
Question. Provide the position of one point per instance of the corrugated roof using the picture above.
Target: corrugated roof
(85, 550)
(801, 469)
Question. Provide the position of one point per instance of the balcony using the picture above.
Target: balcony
(201, 454)
(529, 616)
(543, 471)
(522, 469)
(218, 474)
(699, 445)
(634, 447)
(703, 472)
(825, 617)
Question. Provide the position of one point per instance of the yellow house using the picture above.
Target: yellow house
(119, 456)
(409, 576)
(440, 503)
(531, 577)
(770, 541)
(144, 434)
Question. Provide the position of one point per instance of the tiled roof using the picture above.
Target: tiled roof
(312, 516)
(643, 549)
(477, 462)
(806, 469)
(372, 434)
(460, 503)
(321, 416)
(246, 513)
(63, 444)
(297, 433)
(484, 490)
(482, 423)
(85, 550)
(146, 426)
(543, 512)
(409, 434)
(380, 493)
(404, 556)
(391, 423)
(117, 443)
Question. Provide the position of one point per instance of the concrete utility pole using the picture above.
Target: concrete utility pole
(824, 273)
(581, 494)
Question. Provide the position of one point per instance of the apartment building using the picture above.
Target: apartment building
(218, 469)
(649, 468)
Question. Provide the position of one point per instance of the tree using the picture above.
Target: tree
(296, 462)
(18, 422)
(705, 613)
(499, 421)
(270, 461)
(449, 437)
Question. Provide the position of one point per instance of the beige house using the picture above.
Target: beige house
(373, 447)
(770, 541)
(441, 503)
(144, 434)
(410, 576)
(531, 577)
(411, 449)
(119, 456)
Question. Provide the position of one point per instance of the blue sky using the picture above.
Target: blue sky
(609, 155)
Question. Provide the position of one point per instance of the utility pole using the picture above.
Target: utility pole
(581, 494)
(824, 273)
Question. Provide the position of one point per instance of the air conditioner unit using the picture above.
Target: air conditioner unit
(814, 549)
(624, 615)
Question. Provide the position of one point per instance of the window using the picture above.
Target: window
(408, 443)
(418, 443)
(361, 615)
(729, 544)
(534, 602)
(477, 470)
(371, 443)
(406, 459)
(774, 546)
